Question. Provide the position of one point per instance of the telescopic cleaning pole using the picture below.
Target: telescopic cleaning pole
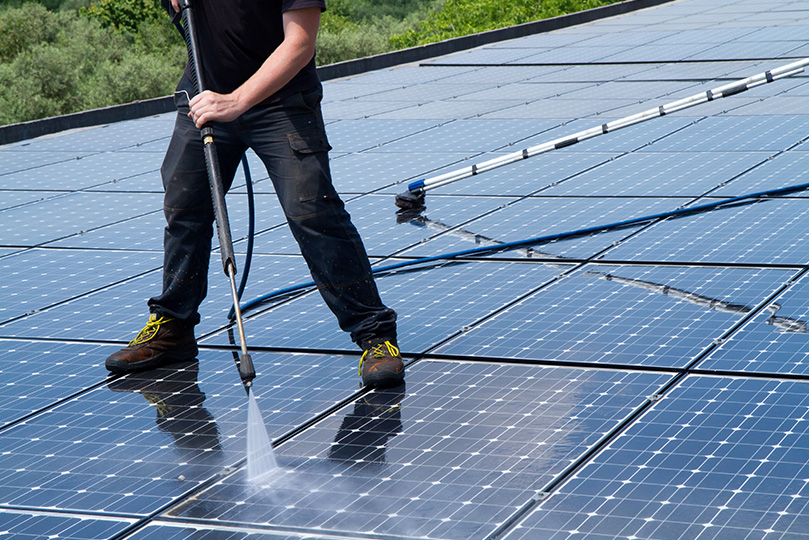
(413, 198)
(247, 371)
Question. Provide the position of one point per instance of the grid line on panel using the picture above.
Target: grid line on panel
(667, 387)
(257, 528)
(76, 297)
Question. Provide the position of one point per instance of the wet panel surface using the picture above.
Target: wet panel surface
(442, 458)
(632, 315)
(138, 442)
(774, 341)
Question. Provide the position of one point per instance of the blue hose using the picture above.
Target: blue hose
(508, 246)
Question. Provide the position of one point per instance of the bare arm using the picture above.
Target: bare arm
(297, 49)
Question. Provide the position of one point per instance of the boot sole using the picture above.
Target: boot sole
(381, 379)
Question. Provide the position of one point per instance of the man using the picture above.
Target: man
(263, 94)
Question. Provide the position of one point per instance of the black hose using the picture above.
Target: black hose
(251, 230)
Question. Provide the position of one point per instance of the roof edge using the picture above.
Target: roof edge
(138, 109)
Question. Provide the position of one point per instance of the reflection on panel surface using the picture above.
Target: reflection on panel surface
(774, 341)
(717, 458)
(447, 456)
(625, 315)
(140, 441)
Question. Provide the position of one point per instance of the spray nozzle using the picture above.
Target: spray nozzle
(246, 370)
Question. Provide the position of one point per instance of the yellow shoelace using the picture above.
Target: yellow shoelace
(150, 330)
(378, 351)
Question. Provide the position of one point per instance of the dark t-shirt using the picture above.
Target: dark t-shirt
(237, 36)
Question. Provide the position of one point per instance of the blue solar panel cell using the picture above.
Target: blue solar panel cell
(655, 316)
(486, 56)
(138, 442)
(539, 217)
(36, 375)
(117, 312)
(447, 110)
(15, 160)
(737, 134)
(49, 277)
(90, 171)
(431, 305)
(718, 458)
(780, 171)
(104, 138)
(12, 199)
(373, 171)
(662, 174)
(774, 341)
(480, 135)
(444, 457)
(71, 214)
(527, 91)
(356, 136)
(536, 175)
(752, 233)
(561, 109)
(700, 70)
(358, 110)
(39, 525)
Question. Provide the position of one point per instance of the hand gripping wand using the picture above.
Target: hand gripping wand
(246, 370)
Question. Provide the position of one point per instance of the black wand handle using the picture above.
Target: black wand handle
(207, 134)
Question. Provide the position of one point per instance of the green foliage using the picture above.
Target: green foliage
(24, 27)
(80, 65)
(63, 56)
(125, 15)
(462, 17)
(358, 28)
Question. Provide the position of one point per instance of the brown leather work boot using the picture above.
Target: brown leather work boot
(162, 341)
(381, 365)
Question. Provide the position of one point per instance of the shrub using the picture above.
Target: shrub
(23, 27)
(125, 15)
(462, 17)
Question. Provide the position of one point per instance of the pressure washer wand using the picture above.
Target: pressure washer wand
(247, 371)
(413, 198)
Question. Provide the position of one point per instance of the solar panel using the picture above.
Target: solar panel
(440, 458)
(645, 382)
(752, 233)
(431, 306)
(772, 342)
(33, 526)
(649, 316)
(719, 458)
